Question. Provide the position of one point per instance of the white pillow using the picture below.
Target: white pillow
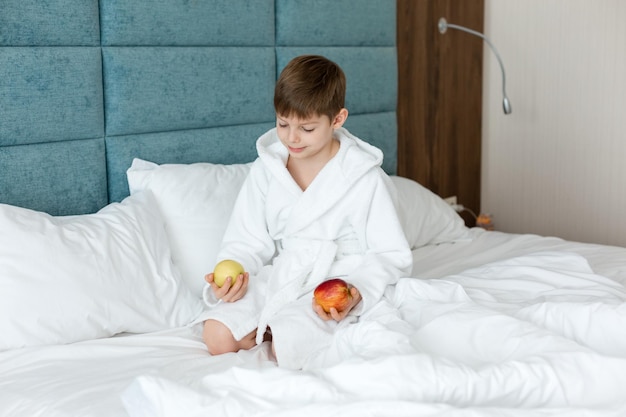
(196, 201)
(66, 279)
(427, 219)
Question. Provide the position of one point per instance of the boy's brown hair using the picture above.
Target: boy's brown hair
(310, 85)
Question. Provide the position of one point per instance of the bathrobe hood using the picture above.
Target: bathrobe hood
(354, 159)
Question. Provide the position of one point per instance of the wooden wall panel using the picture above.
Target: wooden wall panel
(440, 98)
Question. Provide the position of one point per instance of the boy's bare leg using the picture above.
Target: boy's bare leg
(267, 337)
(219, 339)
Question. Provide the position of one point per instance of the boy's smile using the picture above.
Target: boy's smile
(295, 150)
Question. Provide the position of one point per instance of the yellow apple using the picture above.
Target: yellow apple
(227, 268)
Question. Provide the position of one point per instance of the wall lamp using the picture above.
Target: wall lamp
(444, 25)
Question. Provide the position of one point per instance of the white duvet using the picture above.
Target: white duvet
(539, 334)
(524, 334)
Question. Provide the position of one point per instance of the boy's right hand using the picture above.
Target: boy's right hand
(227, 292)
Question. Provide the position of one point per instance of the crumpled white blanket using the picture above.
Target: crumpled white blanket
(535, 335)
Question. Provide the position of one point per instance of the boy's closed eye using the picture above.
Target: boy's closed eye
(305, 129)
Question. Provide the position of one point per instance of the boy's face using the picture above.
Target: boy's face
(310, 137)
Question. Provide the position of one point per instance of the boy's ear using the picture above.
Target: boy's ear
(340, 118)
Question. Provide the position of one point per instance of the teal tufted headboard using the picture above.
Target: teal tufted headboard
(88, 85)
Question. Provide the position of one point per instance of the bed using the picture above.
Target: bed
(126, 129)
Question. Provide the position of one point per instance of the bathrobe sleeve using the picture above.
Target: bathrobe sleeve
(388, 256)
(247, 239)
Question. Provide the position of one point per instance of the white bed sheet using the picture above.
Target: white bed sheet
(478, 346)
(436, 261)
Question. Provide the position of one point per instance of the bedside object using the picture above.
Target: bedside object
(485, 221)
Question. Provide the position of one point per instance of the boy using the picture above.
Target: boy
(315, 205)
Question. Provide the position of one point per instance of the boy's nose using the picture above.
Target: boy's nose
(293, 136)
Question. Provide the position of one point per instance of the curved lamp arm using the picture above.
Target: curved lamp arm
(444, 25)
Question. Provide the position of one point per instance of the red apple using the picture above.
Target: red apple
(335, 293)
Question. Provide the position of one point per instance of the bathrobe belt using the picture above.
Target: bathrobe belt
(299, 267)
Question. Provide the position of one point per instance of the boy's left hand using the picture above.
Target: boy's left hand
(334, 314)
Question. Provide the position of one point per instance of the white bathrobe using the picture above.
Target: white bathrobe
(344, 224)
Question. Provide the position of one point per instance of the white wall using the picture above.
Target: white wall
(557, 164)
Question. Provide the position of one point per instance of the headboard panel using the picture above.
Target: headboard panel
(187, 23)
(87, 86)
